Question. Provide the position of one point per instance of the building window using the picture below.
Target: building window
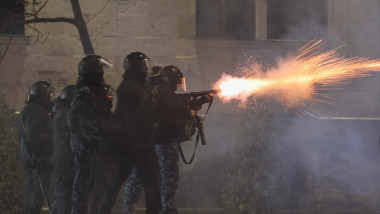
(296, 19)
(12, 11)
(226, 19)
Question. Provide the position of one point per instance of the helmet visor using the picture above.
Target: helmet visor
(52, 92)
(103, 66)
(106, 62)
(181, 84)
(149, 70)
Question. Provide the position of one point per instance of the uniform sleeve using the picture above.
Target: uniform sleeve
(60, 127)
(82, 118)
(122, 98)
(130, 98)
(38, 133)
(197, 104)
(172, 101)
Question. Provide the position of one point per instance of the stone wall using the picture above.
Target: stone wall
(163, 29)
(355, 23)
(12, 70)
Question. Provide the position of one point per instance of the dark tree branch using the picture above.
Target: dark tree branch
(96, 14)
(39, 10)
(78, 21)
(17, 51)
(82, 28)
(29, 39)
(39, 20)
(6, 49)
(35, 3)
(31, 14)
(93, 31)
(97, 33)
(39, 35)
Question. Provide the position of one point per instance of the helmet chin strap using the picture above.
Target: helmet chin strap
(148, 81)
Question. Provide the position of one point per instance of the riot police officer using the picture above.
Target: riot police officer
(134, 128)
(90, 104)
(170, 107)
(63, 159)
(134, 184)
(172, 110)
(104, 165)
(36, 139)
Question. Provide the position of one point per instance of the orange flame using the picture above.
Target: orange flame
(293, 80)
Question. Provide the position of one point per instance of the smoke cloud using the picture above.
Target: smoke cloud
(325, 164)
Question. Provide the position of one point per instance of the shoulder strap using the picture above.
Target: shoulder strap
(195, 148)
(22, 124)
(208, 108)
(183, 155)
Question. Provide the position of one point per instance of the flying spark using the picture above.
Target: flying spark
(293, 80)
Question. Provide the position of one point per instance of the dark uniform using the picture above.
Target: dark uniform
(132, 191)
(134, 128)
(104, 166)
(172, 109)
(167, 154)
(63, 160)
(36, 139)
(90, 104)
(133, 187)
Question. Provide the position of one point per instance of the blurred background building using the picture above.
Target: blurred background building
(204, 38)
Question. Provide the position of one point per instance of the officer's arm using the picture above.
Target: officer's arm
(83, 118)
(172, 101)
(125, 99)
(197, 103)
(38, 133)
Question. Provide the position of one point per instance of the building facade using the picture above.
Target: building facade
(204, 38)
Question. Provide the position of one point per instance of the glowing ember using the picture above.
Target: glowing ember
(293, 80)
(237, 86)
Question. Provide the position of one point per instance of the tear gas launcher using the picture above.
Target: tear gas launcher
(195, 100)
(198, 94)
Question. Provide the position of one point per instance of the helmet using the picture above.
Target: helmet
(172, 76)
(40, 89)
(42, 92)
(91, 67)
(137, 62)
(91, 63)
(67, 92)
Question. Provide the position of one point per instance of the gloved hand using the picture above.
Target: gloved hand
(207, 98)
